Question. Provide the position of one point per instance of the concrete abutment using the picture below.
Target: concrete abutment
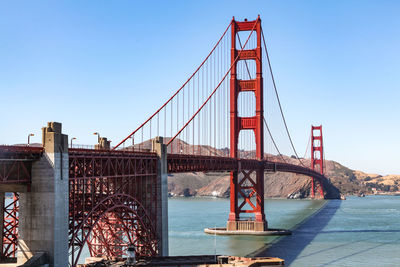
(43, 214)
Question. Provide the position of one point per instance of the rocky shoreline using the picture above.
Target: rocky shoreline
(341, 182)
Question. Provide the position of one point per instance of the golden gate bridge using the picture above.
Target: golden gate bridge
(116, 195)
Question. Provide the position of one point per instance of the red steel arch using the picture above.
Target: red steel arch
(114, 199)
(137, 229)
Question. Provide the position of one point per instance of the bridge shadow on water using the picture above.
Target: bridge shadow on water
(290, 247)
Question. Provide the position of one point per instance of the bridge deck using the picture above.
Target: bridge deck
(16, 162)
(193, 163)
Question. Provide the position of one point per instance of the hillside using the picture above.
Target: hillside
(217, 184)
(275, 184)
(342, 180)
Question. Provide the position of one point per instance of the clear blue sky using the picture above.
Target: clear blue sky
(106, 65)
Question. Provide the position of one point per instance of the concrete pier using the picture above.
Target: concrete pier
(161, 149)
(43, 225)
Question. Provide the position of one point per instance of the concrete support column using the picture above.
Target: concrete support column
(103, 144)
(43, 224)
(162, 213)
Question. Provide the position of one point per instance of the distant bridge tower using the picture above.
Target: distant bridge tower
(247, 183)
(317, 159)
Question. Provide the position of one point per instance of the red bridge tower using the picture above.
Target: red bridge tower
(247, 187)
(317, 159)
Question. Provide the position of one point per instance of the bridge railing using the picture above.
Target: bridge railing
(80, 146)
(136, 148)
(20, 149)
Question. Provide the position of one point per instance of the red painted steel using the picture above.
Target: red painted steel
(113, 198)
(233, 65)
(176, 93)
(10, 227)
(15, 168)
(317, 159)
(114, 195)
(246, 187)
(179, 163)
(16, 163)
(27, 152)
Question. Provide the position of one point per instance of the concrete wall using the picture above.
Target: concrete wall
(43, 225)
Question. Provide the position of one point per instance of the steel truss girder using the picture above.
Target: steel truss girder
(197, 163)
(247, 189)
(16, 163)
(15, 172)
(113, 196)
(10, 227)
(178, 163)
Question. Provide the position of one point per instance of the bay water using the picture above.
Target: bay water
(354, 232)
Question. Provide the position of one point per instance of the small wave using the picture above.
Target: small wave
(187, 234)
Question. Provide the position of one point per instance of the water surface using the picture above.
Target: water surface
(358, 231)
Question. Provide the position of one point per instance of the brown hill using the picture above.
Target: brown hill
(341, 180)
(217, 185)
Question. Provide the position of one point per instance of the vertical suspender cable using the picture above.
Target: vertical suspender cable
(277, 97)
(210, 111)
(172, 106)
(201, 115)
(215, 107)
(188, 115)
(198, 119)
(177, 121)
(165, 122)
(273, 141)
(214, 90)
(183, 115)
(194, 123)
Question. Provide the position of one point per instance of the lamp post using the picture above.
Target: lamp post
(72, 139)
(98, 137)
(29, 138)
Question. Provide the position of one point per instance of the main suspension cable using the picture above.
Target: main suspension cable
(216, 88)
(171, 98)
(273, 141)
(308, 145)
(277, 97)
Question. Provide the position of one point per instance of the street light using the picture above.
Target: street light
(98, 136)
(29, 138)
(73, 138)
